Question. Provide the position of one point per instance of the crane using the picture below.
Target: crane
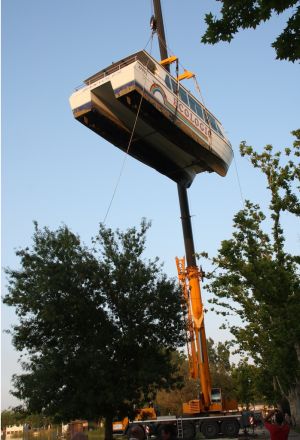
(189, 277)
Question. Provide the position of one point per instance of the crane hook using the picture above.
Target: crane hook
(153, 24)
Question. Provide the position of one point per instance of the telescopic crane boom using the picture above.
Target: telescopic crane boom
(190, 277)
(197, 349)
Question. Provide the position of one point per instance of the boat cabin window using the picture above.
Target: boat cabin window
(196, 107)
(199, 111)
(220, 130)
(171, 84)
(205, 116)
(174, 86)
(193, 105)
(168, 82)
(215, 125)
(183, 96)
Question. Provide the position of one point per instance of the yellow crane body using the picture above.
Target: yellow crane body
(211, 398)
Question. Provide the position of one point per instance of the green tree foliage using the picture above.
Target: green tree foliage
(246, 383)
(243, 14)
(170, 401)
(19, 416)
(220, 367)
(97, 326)
(10, 417)
(258, 281)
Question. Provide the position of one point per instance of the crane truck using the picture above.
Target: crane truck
(210, 414)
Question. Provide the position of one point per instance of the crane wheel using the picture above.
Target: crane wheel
(210, 429)
(230, 428)
(137, 432)
(189, 431)
(170, 428)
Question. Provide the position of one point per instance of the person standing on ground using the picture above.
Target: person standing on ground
(278, 430)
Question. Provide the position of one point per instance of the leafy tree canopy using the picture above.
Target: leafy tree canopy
(97, 325)
(170, 401)
(220, 367)
(257, 280)
(243, 14)
(19, 416)
(247, 384)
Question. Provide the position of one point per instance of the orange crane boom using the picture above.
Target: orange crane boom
(197, 348)
(210, 398)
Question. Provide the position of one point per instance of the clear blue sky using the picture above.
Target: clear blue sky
(55, 170)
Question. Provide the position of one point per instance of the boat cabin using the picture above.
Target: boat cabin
(139, 107)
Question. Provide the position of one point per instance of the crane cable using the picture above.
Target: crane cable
(205, 113)
(136, 120)
(239, 182)
(132, 134)
(207, 120)
(234, 160)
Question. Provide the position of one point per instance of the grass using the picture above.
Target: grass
(96, 434)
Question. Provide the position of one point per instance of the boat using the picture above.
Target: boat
(139, 107)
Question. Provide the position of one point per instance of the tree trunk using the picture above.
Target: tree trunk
(108, 427)
(294, 399)
(294, 395)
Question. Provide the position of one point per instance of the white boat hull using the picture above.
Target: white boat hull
(168, 135)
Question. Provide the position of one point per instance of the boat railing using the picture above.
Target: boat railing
(109, 70)
(141, 56)
(81, 86)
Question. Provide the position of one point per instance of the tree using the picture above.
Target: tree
(249, 14)
(11, 417)
(170, 401)
(246, 383)
(19, 416)
(220, 367)
(98, 325)
(258, 281)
